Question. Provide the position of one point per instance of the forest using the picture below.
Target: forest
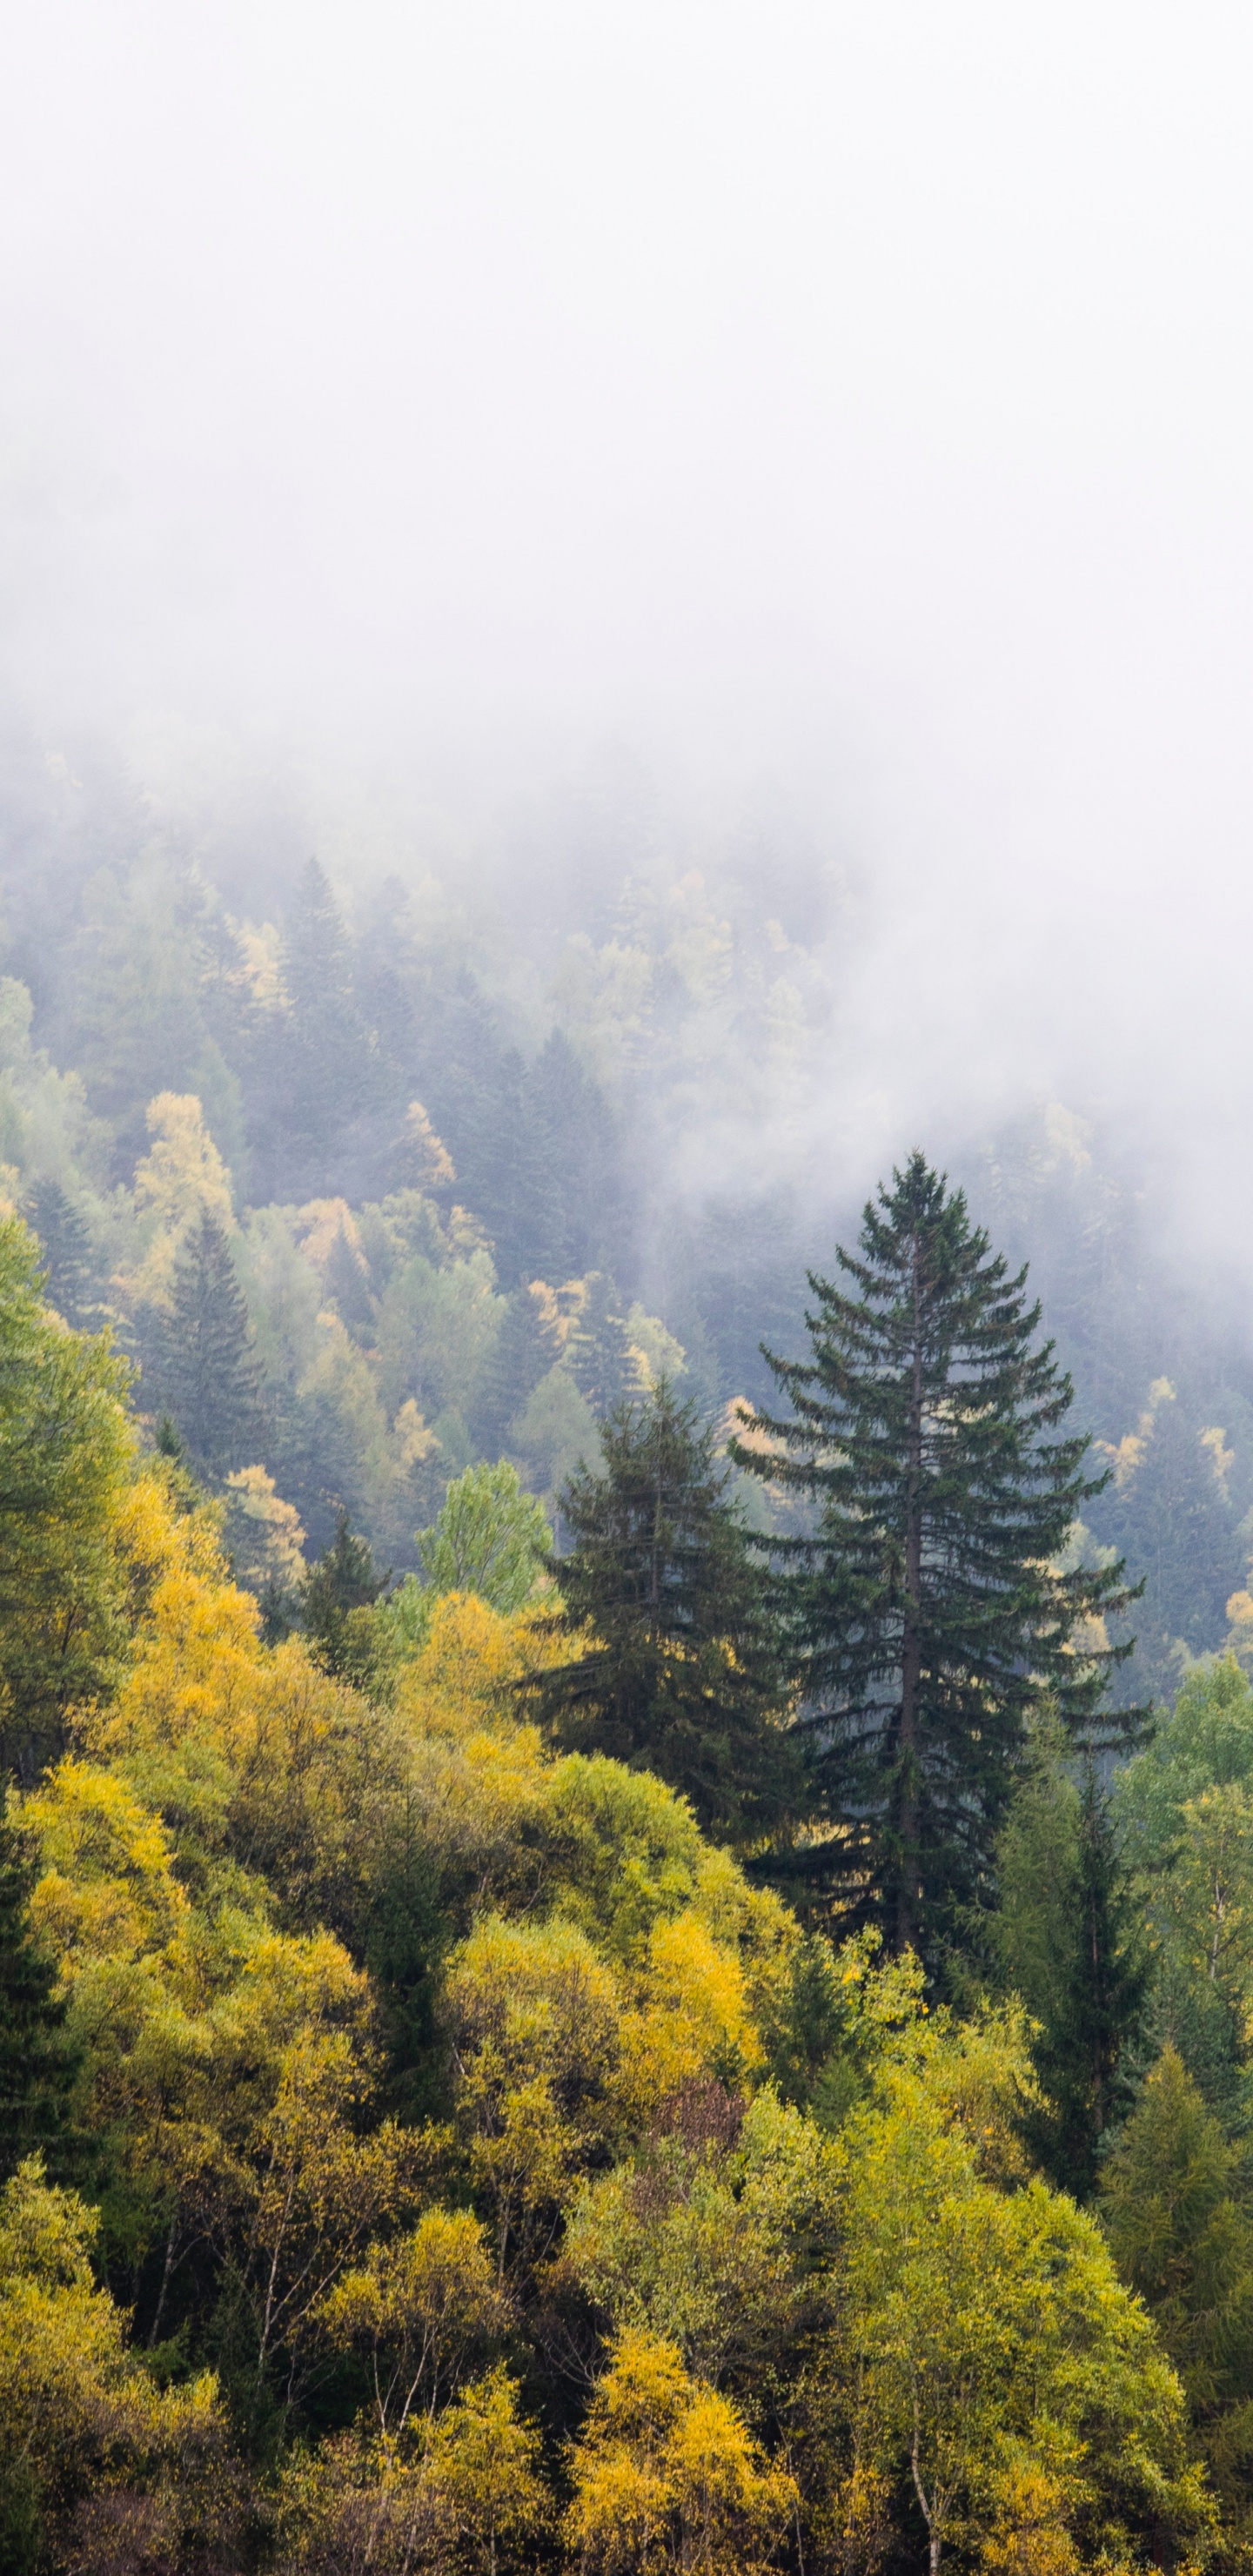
(626, 1871)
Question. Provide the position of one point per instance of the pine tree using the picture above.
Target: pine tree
(210, 1373)
(927, 1614)
(680, 1675)
(38, 2062)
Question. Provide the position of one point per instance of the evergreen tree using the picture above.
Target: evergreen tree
(1175, 1523)
(1108, 1990)
(1067, 1939)
(523, 1352)
(680, 1673)
(927, 1612)
(38, 2063)
(337, 1595)
(585, 1156)
(347, 1288)
(65, 1251)
(323, 1072)
(598, 1352)
(211, 1375)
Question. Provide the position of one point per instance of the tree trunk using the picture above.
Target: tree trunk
(930, 2517)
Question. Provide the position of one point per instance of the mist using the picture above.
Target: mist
(406, 416)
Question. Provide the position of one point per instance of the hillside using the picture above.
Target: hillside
(480, 1169)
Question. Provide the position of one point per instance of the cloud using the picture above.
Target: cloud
(853, 400)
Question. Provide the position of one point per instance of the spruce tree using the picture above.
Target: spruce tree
(317, 1072)
(598, 1352)
(1067, 1937)
(38, 2062)
(524, 1350)
(64, 1251)
(1107, 1996)
(927, 1610)
(347, 1288)
(211, 1377)
(336, 1597)
(680, 1673)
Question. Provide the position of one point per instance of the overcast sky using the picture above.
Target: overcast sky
(855, 396)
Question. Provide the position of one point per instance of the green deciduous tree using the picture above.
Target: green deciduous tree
(1185, 1807)
(680, 1671)
(985, 2345)
(37, 2061)
(1181, 2232)
(490, 1537)
(928, 1613)
(64, 1453)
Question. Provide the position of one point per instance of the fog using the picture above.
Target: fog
(840, 411)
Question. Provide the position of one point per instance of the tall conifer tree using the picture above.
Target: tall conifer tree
(927, 1610)
(64, 1250)
(680, 1674)
(211, 1376)
(1067, 1937)
(328, 1068)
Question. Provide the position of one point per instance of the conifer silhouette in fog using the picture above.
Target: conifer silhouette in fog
(928, 1613)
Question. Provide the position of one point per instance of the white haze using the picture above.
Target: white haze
(847, 404)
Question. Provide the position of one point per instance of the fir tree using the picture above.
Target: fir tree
(1067, 1938)
(323, 1071)
(347, 1288)
(680, 1673)
(211, 1375)
(65, 1251)
(1107, 1993)
(337, 1595)
(523, 1352)
(928, 1615)
(37, 2061)
(598, 1352)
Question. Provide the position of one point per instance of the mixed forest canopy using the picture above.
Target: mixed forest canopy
(452, 1149)
(626, 1854)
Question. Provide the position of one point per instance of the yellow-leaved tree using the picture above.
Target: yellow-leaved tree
(668, 2477)
(98, 2466)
